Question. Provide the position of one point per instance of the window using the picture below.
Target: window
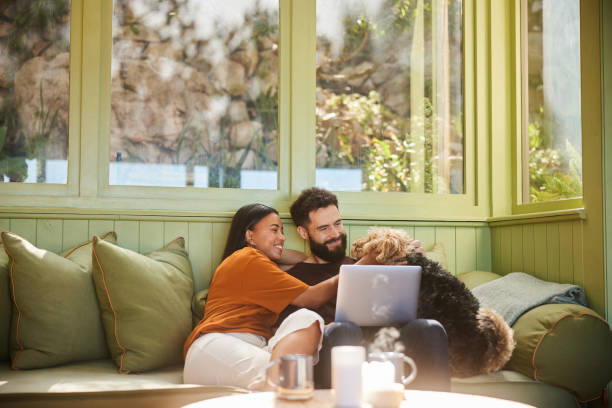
(34, 91)
(179, 106)
(551, 108)
(194, 97)
(390, 103)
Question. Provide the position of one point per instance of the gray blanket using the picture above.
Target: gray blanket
(514, 294)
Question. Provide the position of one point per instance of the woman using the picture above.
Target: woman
(233, 343)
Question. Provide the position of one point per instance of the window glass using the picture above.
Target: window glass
(194, 98)
(390, 95)
(34, 89)
(552, 135)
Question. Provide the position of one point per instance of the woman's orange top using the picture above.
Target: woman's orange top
(247, 293)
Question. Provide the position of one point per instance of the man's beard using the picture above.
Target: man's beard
(323, 252)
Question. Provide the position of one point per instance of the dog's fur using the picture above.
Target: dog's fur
(479, 340)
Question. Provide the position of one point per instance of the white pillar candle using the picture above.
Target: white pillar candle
(377, 374)
(347, 364)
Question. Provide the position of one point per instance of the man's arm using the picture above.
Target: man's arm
(290, 257)
(316, 295)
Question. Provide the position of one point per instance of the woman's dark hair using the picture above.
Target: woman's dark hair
(245, 219)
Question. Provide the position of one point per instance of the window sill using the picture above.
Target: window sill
(536, 218)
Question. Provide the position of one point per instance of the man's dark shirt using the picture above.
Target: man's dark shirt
(311, 274)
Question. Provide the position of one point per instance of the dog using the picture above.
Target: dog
(479, 340)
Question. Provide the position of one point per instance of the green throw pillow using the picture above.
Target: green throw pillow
(566, 345)
(477, 278)
(437, 253)
(145, 303)
(5, 306)
(197, 306)
(55, 314)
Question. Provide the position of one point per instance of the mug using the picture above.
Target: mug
(295, 377)
(399, 360)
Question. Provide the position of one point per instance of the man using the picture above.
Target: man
(318, 221)
(316, 215)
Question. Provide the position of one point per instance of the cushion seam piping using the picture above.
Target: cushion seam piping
(167, 246)
(89, 242)
(533, 364)
(123, 350)
(12, 275)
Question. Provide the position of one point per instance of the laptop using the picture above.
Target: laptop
(378, 295)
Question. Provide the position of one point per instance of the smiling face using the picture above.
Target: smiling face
(325, 234)
(267, 236)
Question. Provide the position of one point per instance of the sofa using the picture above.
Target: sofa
(99, 324)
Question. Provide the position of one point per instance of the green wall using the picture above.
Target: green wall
(467, 245)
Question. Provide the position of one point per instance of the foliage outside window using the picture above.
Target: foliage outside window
(34, 89)
(194, 97)
(551, 150)
(390, 103)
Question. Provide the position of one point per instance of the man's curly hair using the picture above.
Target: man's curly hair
(309, 200)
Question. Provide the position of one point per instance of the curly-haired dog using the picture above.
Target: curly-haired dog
(479, 340)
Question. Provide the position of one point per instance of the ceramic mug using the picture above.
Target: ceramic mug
(295, 379)
(399, 361)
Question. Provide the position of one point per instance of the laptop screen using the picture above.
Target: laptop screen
(378, 295)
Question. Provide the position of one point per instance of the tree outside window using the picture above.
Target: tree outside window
(390, 107)
(34, 89)
(551, 109)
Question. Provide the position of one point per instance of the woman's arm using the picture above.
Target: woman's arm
(318, 294)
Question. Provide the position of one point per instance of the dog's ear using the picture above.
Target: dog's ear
(357, 250)
(389, 243)
(499, 338)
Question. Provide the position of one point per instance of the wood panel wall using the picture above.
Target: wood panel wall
(467, 245)
(547, 250)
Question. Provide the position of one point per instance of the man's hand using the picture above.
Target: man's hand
(368, 259)
(415, 247)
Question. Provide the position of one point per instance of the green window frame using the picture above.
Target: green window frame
(13, 193)
(88, 187)
(518, 128)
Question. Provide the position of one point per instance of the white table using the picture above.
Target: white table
(324, 398)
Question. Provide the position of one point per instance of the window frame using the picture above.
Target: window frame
(470, 204)
(520, 141)
(70, 188)
(88, 188)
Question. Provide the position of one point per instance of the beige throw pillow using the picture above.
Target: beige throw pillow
(5, 305)
(437, 253)
(145, 303)
(55, 314)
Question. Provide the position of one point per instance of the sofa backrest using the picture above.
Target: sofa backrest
(467, 245)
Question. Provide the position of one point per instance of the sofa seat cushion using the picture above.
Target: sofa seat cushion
(98, 384)
(98, 375)
(510, 385)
